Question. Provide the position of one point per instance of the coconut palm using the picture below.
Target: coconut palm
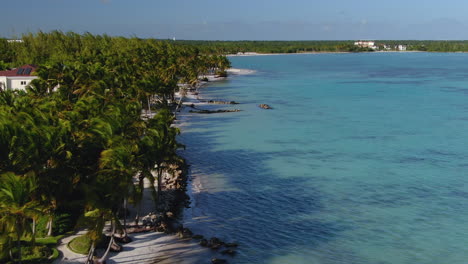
(17, 207)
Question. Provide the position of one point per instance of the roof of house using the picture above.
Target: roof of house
(24, 70)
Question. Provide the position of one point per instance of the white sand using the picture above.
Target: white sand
(236, 71)
(151, 247)
(162, 249)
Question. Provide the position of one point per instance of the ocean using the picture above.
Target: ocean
(363, 159)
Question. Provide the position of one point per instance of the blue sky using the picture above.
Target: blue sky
(242, 19)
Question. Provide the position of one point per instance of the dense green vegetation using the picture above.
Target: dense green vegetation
(72, 143)
(430, 45)
(233, 47)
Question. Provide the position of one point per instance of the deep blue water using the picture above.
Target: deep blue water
(364, 159)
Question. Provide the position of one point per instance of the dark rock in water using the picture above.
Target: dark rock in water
(265, 106)
(170, 214)
(197, 237)
(216, 241)
(215, 246)
(204, 243)
(218, 261)
(185, 233)
(221, 102)
(231, 244)
(228, 252)
(215, 111)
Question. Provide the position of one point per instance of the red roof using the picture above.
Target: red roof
(24, 70)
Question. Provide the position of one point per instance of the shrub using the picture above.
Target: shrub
(80, 244)
(222, 73)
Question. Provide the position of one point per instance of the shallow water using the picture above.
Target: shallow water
(363, 159)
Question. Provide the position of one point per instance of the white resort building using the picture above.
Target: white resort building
(365, 44)
(17, 78)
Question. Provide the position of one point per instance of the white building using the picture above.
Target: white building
(17, 78)
(402, 47)
(365, 44)
(14, 40)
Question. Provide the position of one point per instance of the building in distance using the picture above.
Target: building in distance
(18, 78)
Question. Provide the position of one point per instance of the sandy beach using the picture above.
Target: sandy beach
(149, 247)
(157, 247)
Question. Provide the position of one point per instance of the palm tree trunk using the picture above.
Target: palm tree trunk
(125, 215)
(141, 186)
(18, 244)
(104, 257)
(33, 239)
(159, 183)
(89, 260)
(149, 105)
(137, 216)
(49, 225)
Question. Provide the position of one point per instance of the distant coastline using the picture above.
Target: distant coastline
(248, 54)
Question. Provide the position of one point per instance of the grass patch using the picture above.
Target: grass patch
(80, 245)
(55, 255)
(51, 241)
(43, 252)
(40, 254)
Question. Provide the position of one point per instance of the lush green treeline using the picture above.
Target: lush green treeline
(233, 47)
(71, 145)
(430, 45)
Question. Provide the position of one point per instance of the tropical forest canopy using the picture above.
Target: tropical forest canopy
(233, 47)
(72, 143)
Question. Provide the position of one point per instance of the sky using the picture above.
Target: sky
(241, 19)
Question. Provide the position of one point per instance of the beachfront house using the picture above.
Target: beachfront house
(18, 78)
(365, 44)
(402, 47)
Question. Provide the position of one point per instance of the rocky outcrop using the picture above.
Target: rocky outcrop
(231, 244)
(215, 111)
(197, 237)
(228, 251)
(204, 243)
(218, 261)
(185, 233)
(265, 106)
(219, 102)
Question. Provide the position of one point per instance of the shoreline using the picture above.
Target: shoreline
(251, 54)
(173, 245)
(164, 248)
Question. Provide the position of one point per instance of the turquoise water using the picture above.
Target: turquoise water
(364, 159)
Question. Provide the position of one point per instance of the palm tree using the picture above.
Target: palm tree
(17, 207)
(165, 138)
